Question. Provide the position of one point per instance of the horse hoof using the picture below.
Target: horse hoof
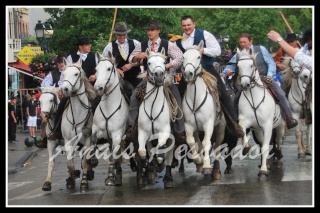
(77, 173)
(307, 152)
(84, 187)
(181, 169)
(90, 175)
(301, 155)
(109, 181)
(46, 186)
(152, 178)
(228, 171)
(70, 183)
(206, 171)
(216, 175)
(118, 182)
(168, 184)
(279, 164)
(263, 175)
(199, 168)
(246, 150)
(140, 181)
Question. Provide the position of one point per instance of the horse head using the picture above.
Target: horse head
(156, 66)
(105, 72)
(292, 68)
(305, 75)
(248, 71)
(49, 100)
(192, 62)
(73, 76)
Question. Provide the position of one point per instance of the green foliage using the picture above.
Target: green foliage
(96, 23)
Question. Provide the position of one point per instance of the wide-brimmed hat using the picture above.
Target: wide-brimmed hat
(83, 40)
(152, 25)
(121, 28)
(291, 37)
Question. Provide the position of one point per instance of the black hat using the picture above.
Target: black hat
(121, 28)
(82, 41)
(153, 25)
(307, 36)
(291, 37)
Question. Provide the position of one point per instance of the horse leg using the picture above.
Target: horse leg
(192, 144)
(301, 147)
(280, 131)
(47, 184)
(168, 179)
(309, 145)
(245, 141)
(71, 179)
(263, 174)
(181, 167)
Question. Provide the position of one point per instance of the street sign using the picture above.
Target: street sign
(37, 50)
(26, 55)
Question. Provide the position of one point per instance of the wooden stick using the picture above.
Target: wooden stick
(285, 20)
(114, 21)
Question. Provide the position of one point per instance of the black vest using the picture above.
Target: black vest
(206, 61)
(132, 73)
(163, 43)
(55, 76)
(89, 65)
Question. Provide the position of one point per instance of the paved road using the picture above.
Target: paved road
(292, 185)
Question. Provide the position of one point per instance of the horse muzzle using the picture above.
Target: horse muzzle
(188, 76)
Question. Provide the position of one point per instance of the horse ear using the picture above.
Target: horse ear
(65, 62)
(39, 89)
(54, 85)
(238, 51)
(110, 55)
(201, 44)
(163, 51)
(98, 55)
(79, 62)
(148, 52)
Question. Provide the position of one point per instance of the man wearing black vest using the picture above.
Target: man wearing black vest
(266, 67)
(121, 49)
(89, 60)
(211, 49)
(155, 43)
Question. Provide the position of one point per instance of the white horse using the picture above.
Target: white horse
(306, 77)
(77, 121)
(202, 112)
(297, 99)
(258, 110)
(49, 102)
(110, 117)
(154, 122)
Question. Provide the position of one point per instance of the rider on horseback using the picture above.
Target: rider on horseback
(266, 67)
(155, 43)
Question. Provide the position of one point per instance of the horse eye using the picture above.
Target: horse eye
(199, 57)
(149, 63)
(76, 74)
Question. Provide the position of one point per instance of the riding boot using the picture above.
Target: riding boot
(284, 104)
(227, 106)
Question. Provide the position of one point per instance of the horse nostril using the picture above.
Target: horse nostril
(65, 89)
(100, 88)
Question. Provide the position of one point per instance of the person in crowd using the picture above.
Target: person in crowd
(266, 67)
(209, 52)
(32, 115)
(307, 40)
(12, 120)
(291, 39)
(155, 43)
(121, 48)
(302, 58)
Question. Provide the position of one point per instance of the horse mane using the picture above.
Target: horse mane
(193, 47)
(287, 72)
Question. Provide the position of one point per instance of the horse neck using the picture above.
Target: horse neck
(80, 98)
(298, 89)
(112, 94)
(196, 89)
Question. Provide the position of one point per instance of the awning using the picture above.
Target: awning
(22, 68)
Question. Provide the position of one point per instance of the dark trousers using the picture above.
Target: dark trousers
(12, 127)
(225, 98)
(57, 120)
